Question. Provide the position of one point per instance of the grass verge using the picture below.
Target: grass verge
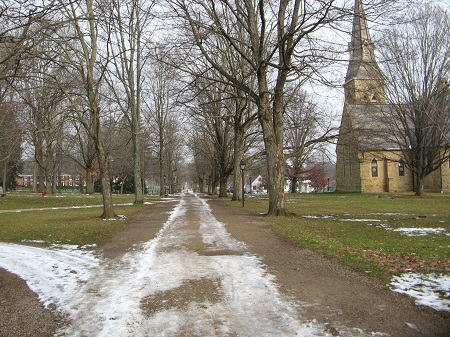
(379, 234)
(65, 219)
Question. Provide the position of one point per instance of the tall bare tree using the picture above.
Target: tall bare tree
(161, 106)
(11, 136)
(129, 21)
(80, 148)
(308, 129)
(82, 55)
(211, 118)
(417, 67)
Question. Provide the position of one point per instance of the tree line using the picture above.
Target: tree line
(133, 89)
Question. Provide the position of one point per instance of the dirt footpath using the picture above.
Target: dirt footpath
(324, 289)
(328, 291)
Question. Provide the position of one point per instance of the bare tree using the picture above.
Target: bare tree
(417, 67)
(128, 22)
(211, 115)
(82, 55)
(308, 129)
(174, 149)
(161, 106)
(203, 155)
(11, 136)
(80, 148)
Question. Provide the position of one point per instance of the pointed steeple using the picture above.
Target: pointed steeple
(363, 67)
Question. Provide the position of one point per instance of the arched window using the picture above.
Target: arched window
(401, 168)
(374, 168)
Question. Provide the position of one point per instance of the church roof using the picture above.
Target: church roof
(373, 130)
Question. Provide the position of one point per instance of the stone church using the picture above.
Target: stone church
(366, 160)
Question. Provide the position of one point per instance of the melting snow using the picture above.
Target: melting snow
(419, 231)
(431, 290)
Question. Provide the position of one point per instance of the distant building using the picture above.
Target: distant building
(367, 161)
(258, 185)
(64, 180)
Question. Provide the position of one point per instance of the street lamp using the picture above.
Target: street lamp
(242, 165)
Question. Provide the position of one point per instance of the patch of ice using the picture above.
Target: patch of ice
(421, 231)
(318, 217)
(431, 290)
(361, 220)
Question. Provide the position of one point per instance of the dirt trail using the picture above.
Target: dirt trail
(323, 290)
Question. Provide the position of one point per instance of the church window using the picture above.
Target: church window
(374, 167)
(401, 168)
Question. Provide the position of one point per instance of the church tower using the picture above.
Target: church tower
(364, 82)
(368, 158)
(364, 99)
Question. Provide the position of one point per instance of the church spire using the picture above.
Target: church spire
(363, 66)
(360, 34)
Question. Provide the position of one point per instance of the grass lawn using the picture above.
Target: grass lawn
(65, 218)
(382, 234)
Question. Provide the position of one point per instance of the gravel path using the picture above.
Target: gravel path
(322, 291)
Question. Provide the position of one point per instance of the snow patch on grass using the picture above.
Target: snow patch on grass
(431, 290)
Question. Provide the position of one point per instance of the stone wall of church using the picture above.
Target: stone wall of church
(347, 170)
(347, 163)
(381, 171)
(388, 177)
(355, 171)
(362, 91)
(445, 169)
(438, 180)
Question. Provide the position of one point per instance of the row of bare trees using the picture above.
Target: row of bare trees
(78, 80)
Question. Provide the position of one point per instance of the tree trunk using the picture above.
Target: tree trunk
(108, 207)
(238, 155)
(275, 167)
(89, 181)
(35, 177)
(5, 170)
(272, 124)
(162, 183)
(138, 195)
(294, 185)
(40, 185)
(223, 187)
(50, 189)
(419, 184)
